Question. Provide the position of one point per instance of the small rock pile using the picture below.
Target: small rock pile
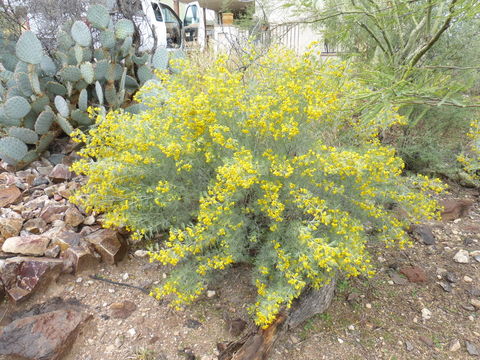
(43, 235)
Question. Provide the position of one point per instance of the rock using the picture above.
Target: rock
(73, 217)
(36, 203)
(455, 346)
(211, 293)
(193, 324)
(122, 310)
(409, 346)
(53, 251)
(9, 195)
(66, 239)
(455, 208)
(141, 253)
(468, 307)
(426, 340)
(462, 257)
(476, 303)
(474, 291)
(450, 277)
(60, 173)
(10, 227)
(414, 274)
(472, 348)
(397, 279)
(132, 332)
(426, 314)
(424, 233)
(445, 286)
(109, 244)
(35, 226)
(89, 220)
(39, 180)
(77, 259)
(22, 276)
(26, 245)
(53, 212)
(467, 279)
(236, 327)
(47, 336)
(56, 159)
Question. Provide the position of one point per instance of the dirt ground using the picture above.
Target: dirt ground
(385, 317)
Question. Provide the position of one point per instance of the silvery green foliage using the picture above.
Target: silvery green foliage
(42, 95)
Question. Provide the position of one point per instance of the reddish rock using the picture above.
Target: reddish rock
(414, 274)
(47, 336)
(10, 227)
(73, 217)
(26, 245)
(77, 259)
(24, 275)
(9, 195)
(53, 251)
(53, 212)
(109, 244)
(122, 310)
(60, 173)
(66, 239)
(35, 226)
(455, 208)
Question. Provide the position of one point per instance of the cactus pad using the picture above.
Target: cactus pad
(82, 118)
(83, 100)
(81, 34)
(16, 107)
(38, 105)
(98, 16)
(56, 88)
(144, 74)
(124, 28)
(140, 60)
(48, 66)
(107, 39)
(26, 135)
(29, 48)
(87, 71)
(99, 92)
(101, 68)
(64, 124)
(70, 73)
(62, 106)
(44, 122)
(7, 121)
(23, 83)
(160, 59)
(12, 150)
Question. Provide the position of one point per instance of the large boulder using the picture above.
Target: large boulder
(109, 244)
(26, 245)
(47, 336)
(22, 276)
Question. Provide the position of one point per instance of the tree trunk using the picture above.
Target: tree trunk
(257, 343)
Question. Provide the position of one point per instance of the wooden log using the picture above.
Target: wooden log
(257, 343)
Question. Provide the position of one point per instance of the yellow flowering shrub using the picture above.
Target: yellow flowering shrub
(470, 159)
(271, 166)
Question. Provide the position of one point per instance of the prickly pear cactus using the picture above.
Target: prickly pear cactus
(42, 96)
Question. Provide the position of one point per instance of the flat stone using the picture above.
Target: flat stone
(424, 233)
(60, 173)
(414, 274)
(409, 346)
(193, 324)
(53, 212)
(89, 220)
(397, 279)
(9, 195)
(53, 251)
(35, 226)
(22, 276)
(455, 208)
(66, 239)
(472, 348)
(26, 245)
(47, 336)
(462, 257)
(78, 259)
(10, 227)
(450, 277)
(426, 340)
(40, 180)
(73, 217)
(122, 310)
(109, 244)
(475, 303)
(454, 346)
(445, 286)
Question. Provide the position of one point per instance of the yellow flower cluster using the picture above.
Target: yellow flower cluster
(471, 158)
(271, 165)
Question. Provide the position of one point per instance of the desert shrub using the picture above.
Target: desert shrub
(271, 166)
